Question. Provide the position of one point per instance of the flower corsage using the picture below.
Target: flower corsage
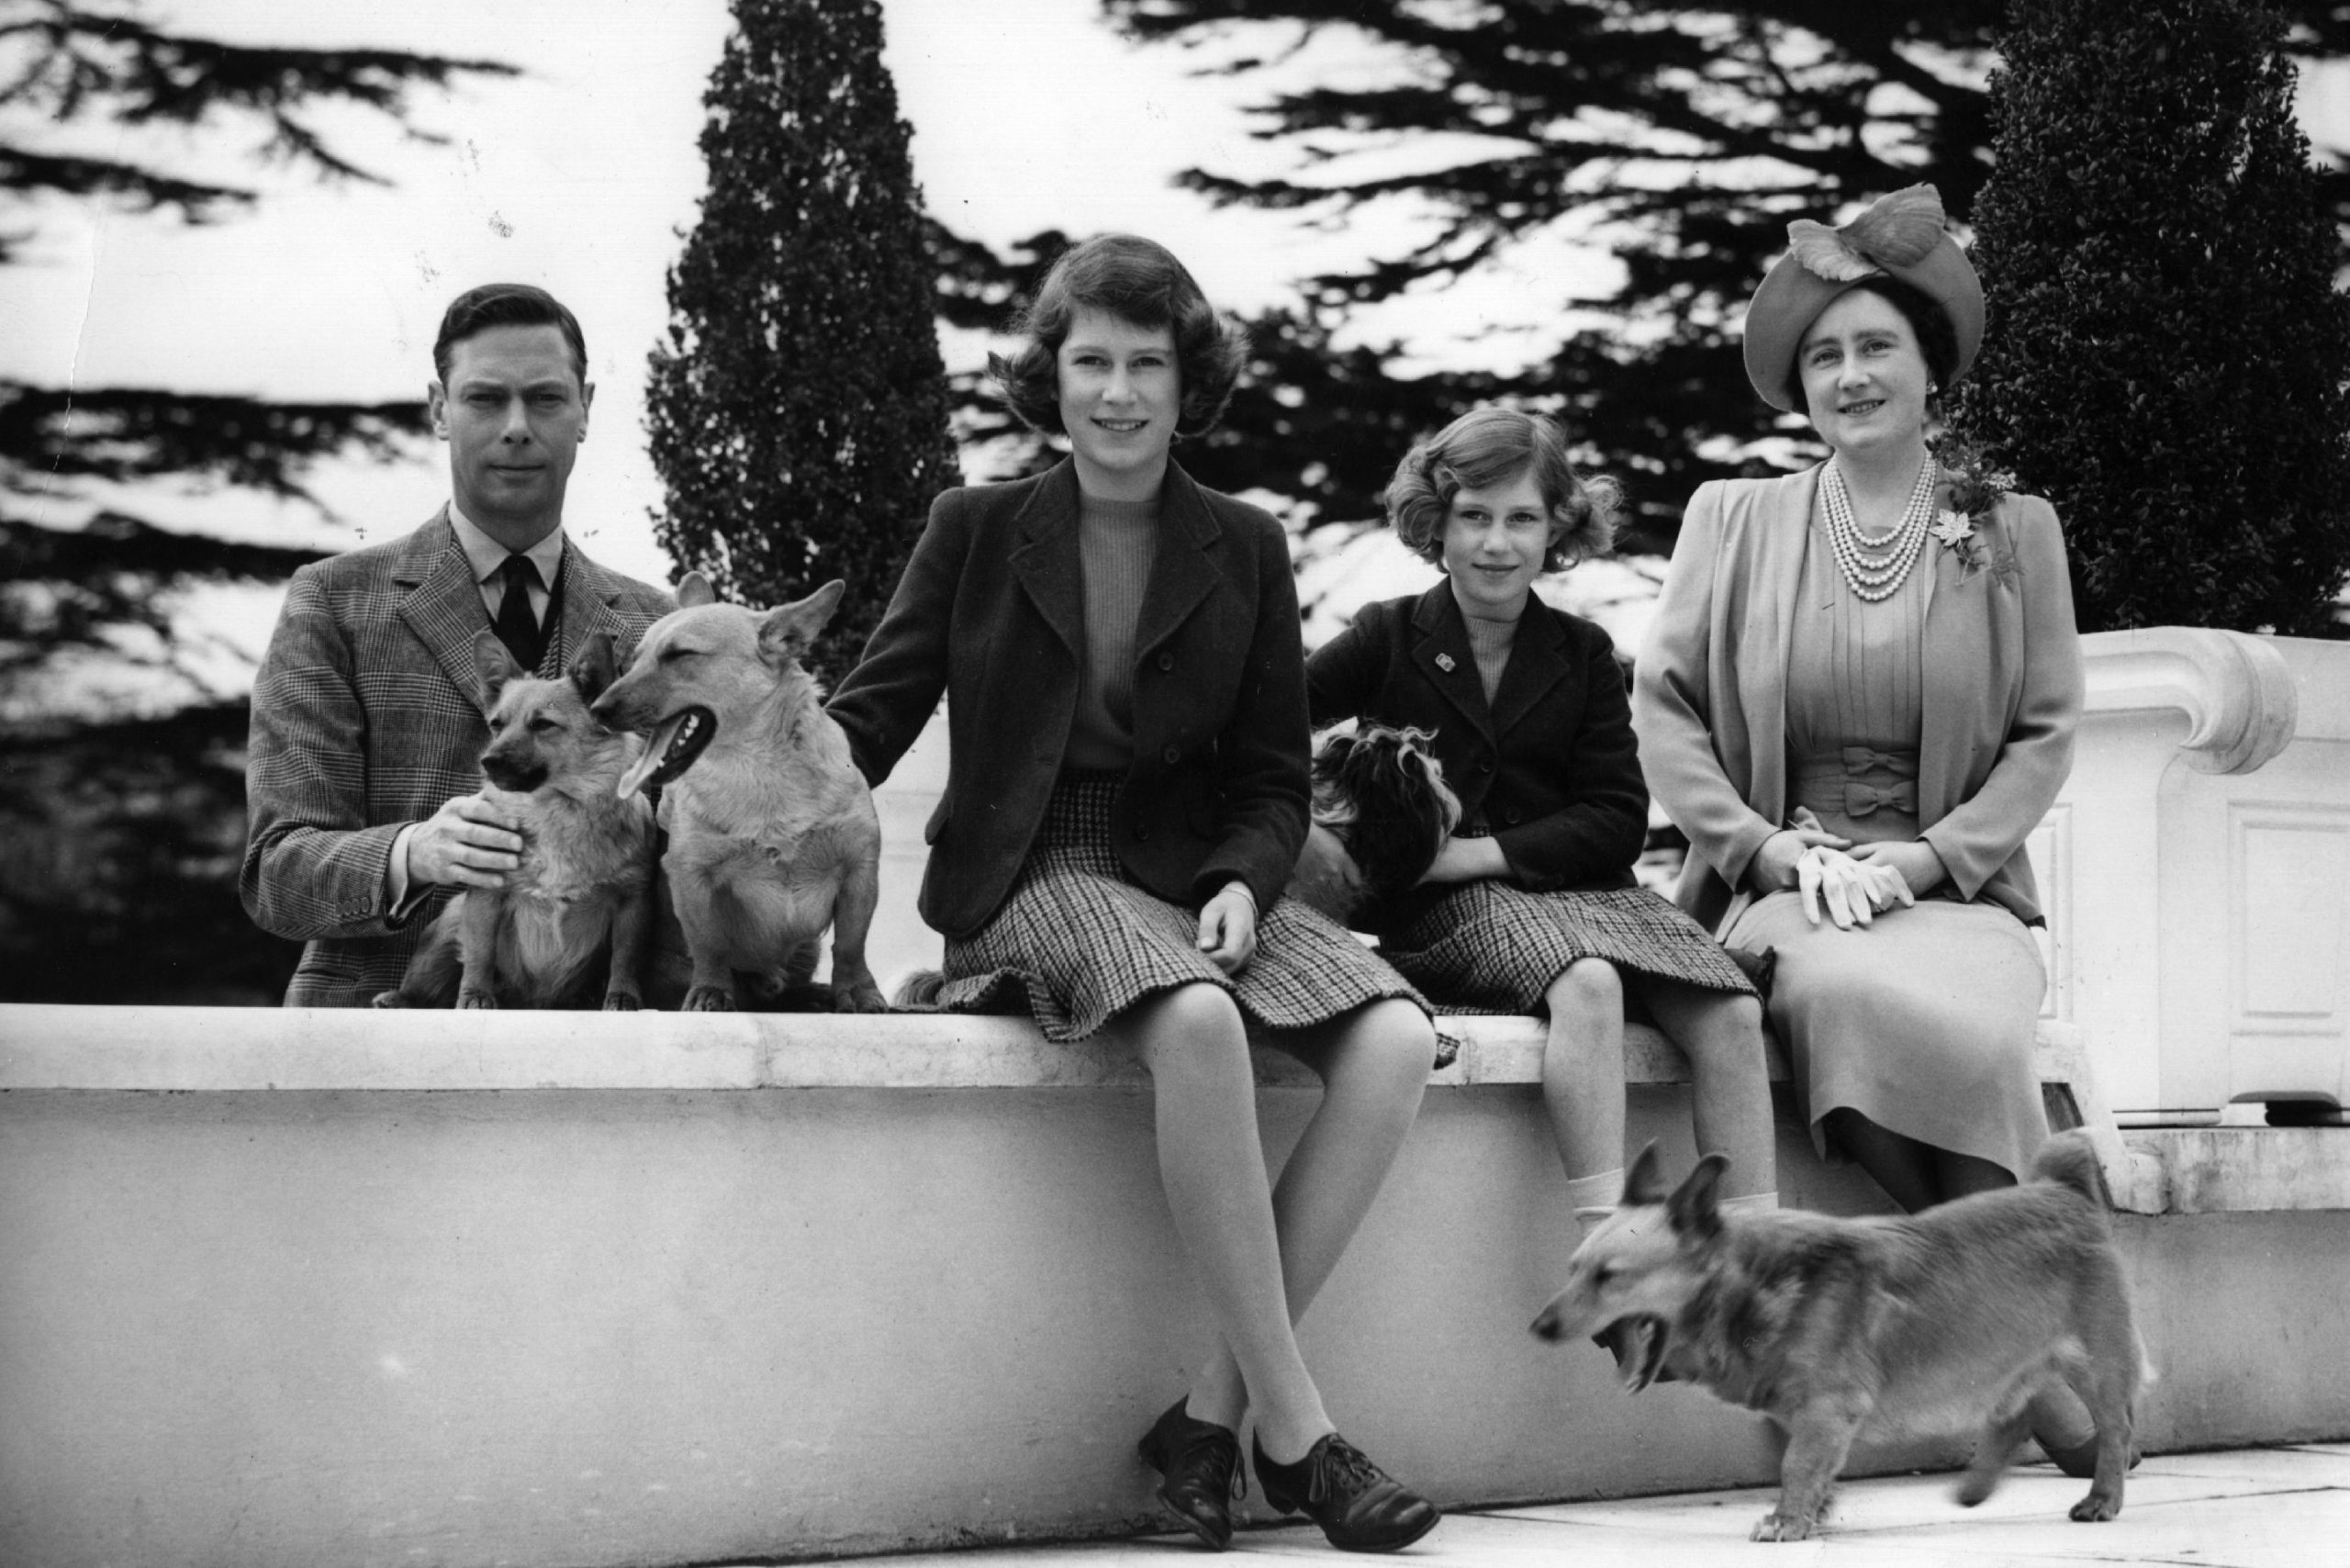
(1962, 527)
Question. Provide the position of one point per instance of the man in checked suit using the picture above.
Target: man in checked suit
(362, 781)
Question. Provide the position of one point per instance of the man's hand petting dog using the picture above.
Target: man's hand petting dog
(469, 843)
(1228, 928)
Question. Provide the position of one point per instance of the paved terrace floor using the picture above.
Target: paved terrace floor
(2277, 1507)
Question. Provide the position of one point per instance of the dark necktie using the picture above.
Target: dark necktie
(516, 625)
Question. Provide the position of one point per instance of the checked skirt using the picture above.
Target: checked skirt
(1079, 944)
(1488, 946)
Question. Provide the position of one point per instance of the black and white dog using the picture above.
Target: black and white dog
(1381, 793)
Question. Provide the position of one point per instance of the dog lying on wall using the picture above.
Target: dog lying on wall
(1957, 1314)
(772, 831)
(571, 924)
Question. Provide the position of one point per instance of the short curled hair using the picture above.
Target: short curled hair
(507, 305)
(1139, 281)
(1491, 446)
(1929, 323)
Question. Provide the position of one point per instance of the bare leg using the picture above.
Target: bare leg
(1721, 1033)
(1373, 1063)
(1583, 1067)
(1213, 1165)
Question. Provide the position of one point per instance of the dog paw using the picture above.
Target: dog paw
(867, 998)
(2095, 1509)
(478, 1001)
(621, 1002)
(1781, 1527)
(1974, 1489)
(708, 999)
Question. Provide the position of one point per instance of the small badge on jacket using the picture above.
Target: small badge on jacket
(1444, 663)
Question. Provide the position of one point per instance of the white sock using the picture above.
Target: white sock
(1593, 1196)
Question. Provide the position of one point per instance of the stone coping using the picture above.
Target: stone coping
(245, 1048)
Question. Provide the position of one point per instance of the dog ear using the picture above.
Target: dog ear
(1693, 1208)
(494, 665)
(592, 667)
(695, 591)
(1643, 1184)
(790, 630)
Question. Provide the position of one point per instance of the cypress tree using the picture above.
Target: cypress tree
(2166, 353)
(798, 412)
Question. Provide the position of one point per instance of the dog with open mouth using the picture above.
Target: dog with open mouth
(772, 832)
(1956, 1315)
(571, 924)
(1379, 796)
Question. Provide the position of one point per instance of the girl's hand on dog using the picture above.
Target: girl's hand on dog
(469, 843)
(1467, 861)
(1228, 928)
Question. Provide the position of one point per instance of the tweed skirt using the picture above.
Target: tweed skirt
(1079, 944)
(1488, 946)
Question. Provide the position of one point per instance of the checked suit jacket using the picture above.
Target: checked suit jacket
(367, 716)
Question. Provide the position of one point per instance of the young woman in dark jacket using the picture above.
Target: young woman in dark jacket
(1532, 906)
(1127, 792)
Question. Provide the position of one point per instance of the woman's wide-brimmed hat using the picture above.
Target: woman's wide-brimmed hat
(1900, 236)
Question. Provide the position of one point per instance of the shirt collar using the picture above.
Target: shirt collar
(486, 556)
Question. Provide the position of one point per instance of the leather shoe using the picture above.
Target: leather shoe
(1201, 1465)
(1358, 1505)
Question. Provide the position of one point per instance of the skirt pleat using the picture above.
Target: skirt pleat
(1488, 946)
(1076, 943)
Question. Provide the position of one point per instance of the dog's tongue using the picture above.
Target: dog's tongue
(1647, 1360)
(649, 762)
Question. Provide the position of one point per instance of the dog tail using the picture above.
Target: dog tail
(2069, 1159)
(918, 988)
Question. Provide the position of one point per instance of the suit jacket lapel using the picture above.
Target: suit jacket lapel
(1440, 647)
(1047, 560)
(588, 594)
(1535, 666)
(1182, 575)
(444, 605)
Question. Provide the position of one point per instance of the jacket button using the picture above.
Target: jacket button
(1141, 832)
(1166, 659)
(1513, 816)
(1171, 755)
(1484, 764)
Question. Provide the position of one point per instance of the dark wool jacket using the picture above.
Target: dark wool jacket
(991, 613)
(1551, 761)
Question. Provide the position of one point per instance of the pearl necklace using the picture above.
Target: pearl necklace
(1877, 564)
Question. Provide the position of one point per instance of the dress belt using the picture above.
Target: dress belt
(1848, 770)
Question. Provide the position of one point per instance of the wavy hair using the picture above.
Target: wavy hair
(1491, 446)
(507, 305)
(1139, 281)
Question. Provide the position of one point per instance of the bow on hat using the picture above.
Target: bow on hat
(1898, 230)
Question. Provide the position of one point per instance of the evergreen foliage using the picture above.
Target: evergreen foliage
(1681, 138)
(797, 414)
(119, 838)
(2166, 353)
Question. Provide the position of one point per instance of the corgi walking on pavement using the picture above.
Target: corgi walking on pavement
(1955, 1315)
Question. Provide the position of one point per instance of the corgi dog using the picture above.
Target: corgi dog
(569, 928)
(1954, 1315)
(772, 833)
